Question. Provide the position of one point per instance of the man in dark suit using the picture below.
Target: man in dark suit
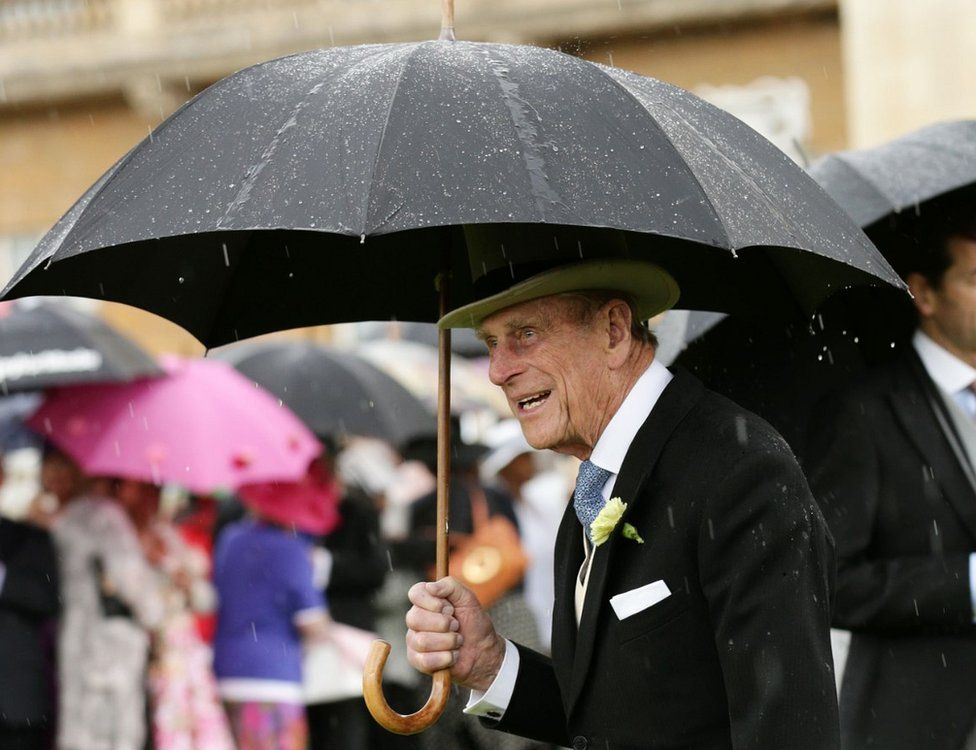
(693, 568)
(28, 604)
(892, 466)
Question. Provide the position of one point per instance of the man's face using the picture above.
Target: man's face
(948, 312)
(553, 370)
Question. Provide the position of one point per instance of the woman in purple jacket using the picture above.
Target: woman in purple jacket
(269, 605)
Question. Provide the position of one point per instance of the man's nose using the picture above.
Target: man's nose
(502, 365)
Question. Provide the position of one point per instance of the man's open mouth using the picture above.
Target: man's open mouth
(533, 402)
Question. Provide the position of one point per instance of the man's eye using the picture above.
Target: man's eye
(528, 333)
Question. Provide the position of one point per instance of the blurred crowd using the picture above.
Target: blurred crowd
(135, 615)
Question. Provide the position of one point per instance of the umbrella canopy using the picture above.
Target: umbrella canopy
(913, 175)
(202, 426)
(902, 174)
(333, 393)
(45, 343)
(781, 369)
(322, 187)
(464, 342)
(415, 367)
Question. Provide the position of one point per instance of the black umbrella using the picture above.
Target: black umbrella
(889, 191)
(262, 202)
(780, 369)
(333, 186)
(48, 343)
(899, 193)
(333, 392)
(902, 174)
(463, 341)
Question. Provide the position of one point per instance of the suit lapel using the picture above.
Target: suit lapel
(568, 559)
(681, 394)
(917, 405)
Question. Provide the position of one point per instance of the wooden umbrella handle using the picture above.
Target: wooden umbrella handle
(385, 716)
(440, 690)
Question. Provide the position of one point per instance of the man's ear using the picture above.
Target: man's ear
(618, 318)
(922, 292)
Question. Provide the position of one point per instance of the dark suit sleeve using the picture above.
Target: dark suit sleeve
(536, 709)
(888, 593)
(766, 562)
(30, 585)
(359, 562)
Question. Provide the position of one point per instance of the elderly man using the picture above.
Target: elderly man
(693, 569)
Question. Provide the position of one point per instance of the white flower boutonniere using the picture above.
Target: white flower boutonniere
(607, 520)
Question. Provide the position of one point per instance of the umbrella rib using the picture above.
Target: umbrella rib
(79, 206)
(364, 228)
(253, 172)
(72, 216)
(630, 95)
(527, 133)
(772, 207)
(857, 174)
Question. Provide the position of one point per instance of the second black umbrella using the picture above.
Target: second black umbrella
(872, 183)
(334, 393)
(48, 343)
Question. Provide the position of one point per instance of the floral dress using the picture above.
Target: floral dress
(186, 711)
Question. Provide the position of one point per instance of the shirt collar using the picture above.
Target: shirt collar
(949, 372)
(613, 443)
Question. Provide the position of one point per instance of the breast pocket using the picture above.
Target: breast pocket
(650, 619)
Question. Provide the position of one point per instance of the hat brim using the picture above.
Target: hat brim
(651, 287)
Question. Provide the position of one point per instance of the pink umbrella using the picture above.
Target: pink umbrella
(202, 426)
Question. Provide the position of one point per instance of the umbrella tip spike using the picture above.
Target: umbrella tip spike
(447, 21)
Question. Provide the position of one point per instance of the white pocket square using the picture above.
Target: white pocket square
(637, 600)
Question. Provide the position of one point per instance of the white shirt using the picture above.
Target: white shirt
(539, 513)
(950, 374)
(608, 453)
(953, 377)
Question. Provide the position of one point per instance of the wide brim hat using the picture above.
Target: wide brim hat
(651, 288)
(512, 264)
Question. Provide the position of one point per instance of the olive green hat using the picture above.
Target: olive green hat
(652, 289)
(514, 263)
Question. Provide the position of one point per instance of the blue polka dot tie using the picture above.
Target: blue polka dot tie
(587, 497)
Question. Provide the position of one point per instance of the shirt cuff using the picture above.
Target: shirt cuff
(321, 567)
(493, 703)
(972, 583)
(310, 614)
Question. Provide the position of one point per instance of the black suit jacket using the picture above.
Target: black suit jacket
(903, 512)
(739, 655)
(28, 601)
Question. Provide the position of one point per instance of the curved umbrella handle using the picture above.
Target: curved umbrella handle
(440, 690)
(385, 716)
